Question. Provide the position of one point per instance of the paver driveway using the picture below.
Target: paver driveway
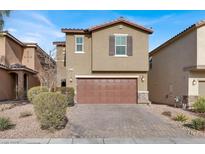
(91, 121)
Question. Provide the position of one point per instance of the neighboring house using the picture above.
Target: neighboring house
(177, 67)
(60, 63)
(22, 66)
(108, 63)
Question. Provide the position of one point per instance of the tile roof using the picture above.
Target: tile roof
(59, 43)
(17, 67)
(98, 27)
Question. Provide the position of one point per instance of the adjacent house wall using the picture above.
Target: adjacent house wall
(201, 46)
(7, 85)
(14, 52)
(167, 77)
(101, 61)
(28, 57)
(2, 50)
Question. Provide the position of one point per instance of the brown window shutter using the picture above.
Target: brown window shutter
(129, 46)
(112, 45)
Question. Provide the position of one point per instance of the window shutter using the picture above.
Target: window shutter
(112, 45)
(129, 46)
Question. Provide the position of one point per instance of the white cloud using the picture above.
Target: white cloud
(42, 18)
(34, 27)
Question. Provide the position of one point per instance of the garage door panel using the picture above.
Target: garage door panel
(106, 91)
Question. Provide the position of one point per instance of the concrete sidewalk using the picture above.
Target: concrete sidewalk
(104, 141)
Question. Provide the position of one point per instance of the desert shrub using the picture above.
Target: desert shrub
(69, 92)
(181, 117)
(167, 113)
(35, 91)
(5, 123)
(198, 124)
(199, 105)
(50, 109)
(25, 114)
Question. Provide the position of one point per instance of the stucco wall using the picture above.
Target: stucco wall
(28, 57)
(197, 76)
(14, 52)
(7, 85)
(33, 81)
(101, 61)
(167, 78)
(77, 63)
(201, 46)
(2, 50)
(61, 69)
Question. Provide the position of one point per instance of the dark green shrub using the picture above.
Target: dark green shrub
(167, 113)
(50, 109)
(199, 105)
(35, 91)
(69, 92)
(5, 124)
(181, 117)
(25, 114)
(198, 124)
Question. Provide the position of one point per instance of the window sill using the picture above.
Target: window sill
(79, 52)
(120, 55)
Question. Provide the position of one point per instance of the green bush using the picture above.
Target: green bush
(5, 124)
(198, 124)
(69, 92)
(50, 108)
(199, 105)
(25, 114)
(35, 91)
(181, 117)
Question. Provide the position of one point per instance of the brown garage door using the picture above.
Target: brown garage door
(107, 91)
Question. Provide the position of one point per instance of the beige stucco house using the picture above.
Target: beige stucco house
(107, 63)
(177, 67)
(22, 66)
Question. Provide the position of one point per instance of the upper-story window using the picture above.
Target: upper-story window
(120, 44)
(79, 44)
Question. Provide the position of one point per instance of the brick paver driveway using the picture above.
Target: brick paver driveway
(91, 121)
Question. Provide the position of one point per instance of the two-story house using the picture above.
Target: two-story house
(177, 67)
(22, 66)
(108, 63)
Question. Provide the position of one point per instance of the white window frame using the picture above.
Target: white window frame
(125, 55)
(77, 36)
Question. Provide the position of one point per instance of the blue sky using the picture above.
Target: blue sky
(44, 27)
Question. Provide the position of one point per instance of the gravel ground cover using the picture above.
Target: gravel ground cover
(158, 109)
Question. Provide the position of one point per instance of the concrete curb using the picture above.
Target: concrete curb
(104, 141)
